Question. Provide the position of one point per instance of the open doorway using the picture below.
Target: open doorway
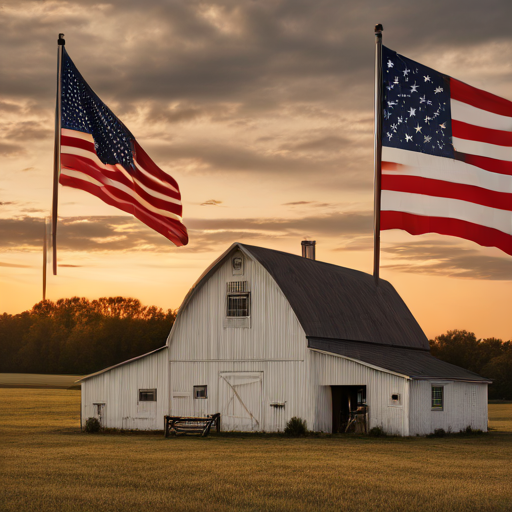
(345, 401)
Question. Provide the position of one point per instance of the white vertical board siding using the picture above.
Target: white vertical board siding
(465, 404)
(274, 333)
(202, 348)
(119, 388)
(281, 381)
(326, 370)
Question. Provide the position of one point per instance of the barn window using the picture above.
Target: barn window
(437, 398)
(238, 299)
(200, 391)
(147, 395)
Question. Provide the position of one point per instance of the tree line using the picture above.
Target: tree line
(490, 357)
(78, 336)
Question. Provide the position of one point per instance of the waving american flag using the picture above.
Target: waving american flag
(101, 156)
(446, 156)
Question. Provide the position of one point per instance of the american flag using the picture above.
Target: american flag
(101, 156)
(446, 156)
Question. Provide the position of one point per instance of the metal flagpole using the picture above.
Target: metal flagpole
(377, 150)
(45, 252)
(56, 154)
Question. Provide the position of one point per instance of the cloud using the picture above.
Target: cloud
(211, 202)
(448, 259)
(8, 149)
(13, 265)
(27, 131)
(122, 233)
(325, 144)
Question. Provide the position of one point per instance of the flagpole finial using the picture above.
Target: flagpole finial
(379, 28)
(61, 41)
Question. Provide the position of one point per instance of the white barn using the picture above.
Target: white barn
(265, 335)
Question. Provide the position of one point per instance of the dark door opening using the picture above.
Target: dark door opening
(345, 400)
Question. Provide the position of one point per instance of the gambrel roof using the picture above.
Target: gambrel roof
(343, 312)
(341, 303)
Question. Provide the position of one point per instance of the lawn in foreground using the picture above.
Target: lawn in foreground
(48, 464)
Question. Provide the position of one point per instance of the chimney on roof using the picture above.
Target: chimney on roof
(308, 249)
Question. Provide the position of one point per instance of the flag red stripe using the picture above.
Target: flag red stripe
(170, 228)
(486, 163)
(89, 167)
(145, 180)
(480, 99)
(419, 225)
(145, 161)
(438, 188)
(77, 143)
(471, 132)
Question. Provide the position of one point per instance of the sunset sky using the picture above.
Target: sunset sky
(263, 113)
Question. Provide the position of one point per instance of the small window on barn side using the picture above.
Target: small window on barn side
(238, 299)
(200, 391)
(437, 398)
(147, 395)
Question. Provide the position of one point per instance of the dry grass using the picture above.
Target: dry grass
(35, 380)
(48, 464)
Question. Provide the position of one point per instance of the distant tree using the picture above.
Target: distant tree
(79, 336)
(457, 347)
(499, 369)
(491, 358)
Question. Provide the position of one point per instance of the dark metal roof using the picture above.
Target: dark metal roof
(417, 364)
(341, 303)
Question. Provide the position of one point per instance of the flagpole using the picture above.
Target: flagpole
(45, 252)
(377, 151)
(56, 153)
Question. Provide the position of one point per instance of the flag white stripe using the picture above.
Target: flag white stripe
(89, 138)
(77, 135)
(478, 117)
(115, 184)
(472, 147)
(429, 206)
(154, 178)
(70, 150)
(445, 169)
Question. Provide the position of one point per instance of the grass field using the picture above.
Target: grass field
(35, 380)
(47, 464)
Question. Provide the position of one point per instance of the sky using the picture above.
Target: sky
(263, 113)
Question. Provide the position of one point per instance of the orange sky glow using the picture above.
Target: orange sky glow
(263, 113)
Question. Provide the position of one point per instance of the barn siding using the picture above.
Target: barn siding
(275, 344)
(118, 389)
(281, 382)
(275, 333)
(465, 404)
(326, 370)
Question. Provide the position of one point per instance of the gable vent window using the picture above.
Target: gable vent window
(238, 299)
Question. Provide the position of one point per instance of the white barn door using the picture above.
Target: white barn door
(240, 397)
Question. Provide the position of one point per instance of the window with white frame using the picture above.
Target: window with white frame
(147, 395)
(238, 299)
(437, 398)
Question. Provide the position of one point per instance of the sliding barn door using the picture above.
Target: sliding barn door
(241, 395)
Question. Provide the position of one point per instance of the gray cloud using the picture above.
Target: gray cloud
(8, 149)
(13, 265)
(448, 259)
(27, 130)
(121, 233)
(211, 202)
(324, 144)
